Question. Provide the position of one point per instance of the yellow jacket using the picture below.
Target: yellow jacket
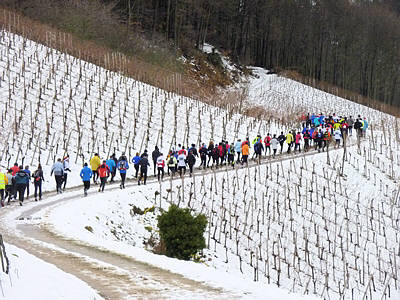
(289, 138)
(95, 163)
(3, 181)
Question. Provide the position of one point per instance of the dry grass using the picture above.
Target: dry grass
(183, 84)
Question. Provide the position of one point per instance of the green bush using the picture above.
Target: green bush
(182, 233)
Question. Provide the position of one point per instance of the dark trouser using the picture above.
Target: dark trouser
(160, 170)
(274, 150)
(289, 147)
(103, 181)
(350, 130)
(172, 169)
(137, 170)
(281, 146)
(191, 169)
(326, 145)
(267, 147)
(231, 158)
(306, 144)
(95, 176)
(296, 145)
(38, 186)
(180, 170)
(113, 173)
(27, 190)
(209, 158)
(143, 174)
(65, 179)
(9, 192)
(2, 196)
(86, 186)
(20, 188)
(244, 159)
(155, 166)
(123, 177)
(238, 158)
(203, 161)
(59, 181)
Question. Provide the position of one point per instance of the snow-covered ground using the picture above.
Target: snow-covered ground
(318, 224)
(32, 278)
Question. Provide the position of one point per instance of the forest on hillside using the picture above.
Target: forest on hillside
(353, 44)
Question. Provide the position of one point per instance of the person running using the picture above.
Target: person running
(86, 174)
(135, 161)
(364, 127)
(66, 169)
(194, 150)
(281, 140)
(238, 149)
(210, 151)
(122, 167)
(258, 149)
(326, 140)
(144, 164)
(267, 142)
(171, 163)
(104, 172)
(160, 166)
(3, 184)
(21, 181)
(337, 134)
(297, 141)
(112, 166)
(215, 157)
(350, 121)
(289, 141)
(203, 156)
(245, 153)
(358, 127)
(58, 171)
(10, 187)
(155, 154)
(27, 171)
(306, 137)
(231, 155)
(191, 160)
(182, 164)
(274, 144)
(95, 163)
(37, 181)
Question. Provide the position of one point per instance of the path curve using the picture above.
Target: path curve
(113, 275)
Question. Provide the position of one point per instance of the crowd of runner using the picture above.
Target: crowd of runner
(318, 131)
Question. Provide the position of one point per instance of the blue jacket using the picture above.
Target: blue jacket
(111, 164)
(22, 178)
(238, 147)
(57, 169)
(123, 166)
(136, 160)
(86, 174)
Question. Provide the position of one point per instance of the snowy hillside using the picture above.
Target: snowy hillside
(322, 225)
(53, 104)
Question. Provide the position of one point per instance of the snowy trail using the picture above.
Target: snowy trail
(113, 275)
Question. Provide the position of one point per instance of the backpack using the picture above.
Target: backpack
(171, 160)
(36, 175)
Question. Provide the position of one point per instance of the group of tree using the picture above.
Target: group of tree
(353, 44)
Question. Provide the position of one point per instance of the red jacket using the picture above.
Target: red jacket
(220, 150)
(182, 151)
(14, 169)
(267, 140)
(104, 171)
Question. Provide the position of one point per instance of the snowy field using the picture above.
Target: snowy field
(324, 225)
(32, 278)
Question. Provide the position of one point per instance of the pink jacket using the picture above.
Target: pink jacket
(298, 138)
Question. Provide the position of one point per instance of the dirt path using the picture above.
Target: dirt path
(113, 275)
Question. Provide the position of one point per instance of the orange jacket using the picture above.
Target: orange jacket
(245, 149)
